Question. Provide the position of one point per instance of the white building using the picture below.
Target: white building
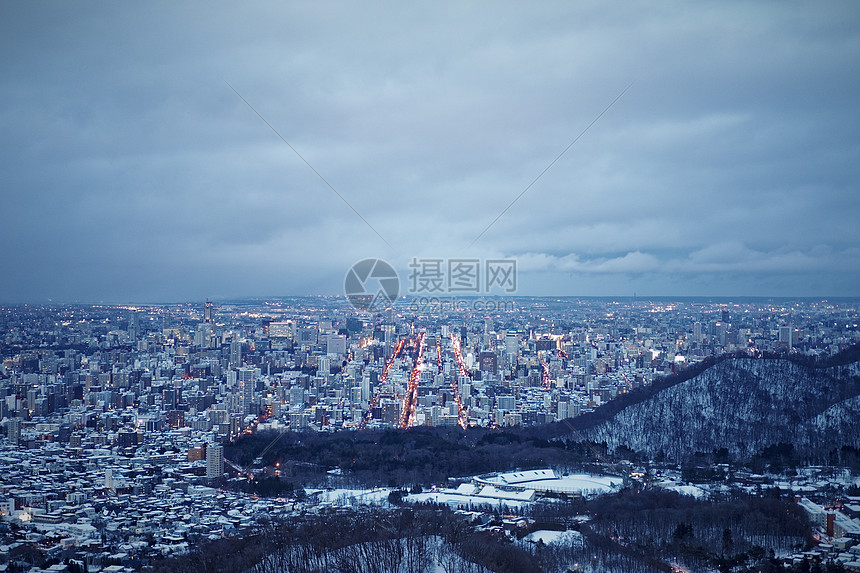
(214, 461)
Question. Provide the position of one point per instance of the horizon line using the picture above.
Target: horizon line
(255, 298)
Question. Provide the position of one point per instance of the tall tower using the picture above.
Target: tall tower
(512, 342)
(214, 461)
(247, 383)
(235, 353)
(13, 429)
(207, 312)
(133, 326)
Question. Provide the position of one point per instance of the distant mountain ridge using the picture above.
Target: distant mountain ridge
(741, 404)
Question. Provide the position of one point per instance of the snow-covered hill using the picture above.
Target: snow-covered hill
(743, 405)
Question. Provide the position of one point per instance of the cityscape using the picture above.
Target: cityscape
(448, 287)
(116, 418)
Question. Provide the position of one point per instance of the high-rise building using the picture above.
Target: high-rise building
(176, 418)
(389, 332)
(133, 327)
(247, 378)
(697, 332)
(235, 353)
(489, 362)
(169, 399)
(297, 396)
(365, 389)
(512, 342)
(207, 312)
(354, 325)
(435, 415)
(786, 335)
(465, 388)
(13, 430)
(336, 344)
(323, 366)
(298, 420)
(202, 336)
(214, 461)
(563, 411)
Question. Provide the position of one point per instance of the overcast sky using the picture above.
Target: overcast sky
(131, 172)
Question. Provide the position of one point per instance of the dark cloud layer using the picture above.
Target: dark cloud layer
(132, 172)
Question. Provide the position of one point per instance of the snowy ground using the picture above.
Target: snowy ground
(691, 490)
(351, 496)
(585, 484)
(560, 537)
(578, 483)
(455, 500)
(518, 492)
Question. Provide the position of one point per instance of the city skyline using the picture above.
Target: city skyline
(133, 172)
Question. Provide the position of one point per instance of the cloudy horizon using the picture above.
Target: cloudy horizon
(132, 172)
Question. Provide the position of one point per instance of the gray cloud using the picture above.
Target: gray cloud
(132, 172)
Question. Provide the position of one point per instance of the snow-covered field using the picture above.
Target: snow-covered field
(690, 490)
(548, 481)
(578, 483)
(518, 489)
(561, 537)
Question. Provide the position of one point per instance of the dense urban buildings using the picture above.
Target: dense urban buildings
(115, 417)
(311, 363)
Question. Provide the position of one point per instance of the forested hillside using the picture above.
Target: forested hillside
(743, 405)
